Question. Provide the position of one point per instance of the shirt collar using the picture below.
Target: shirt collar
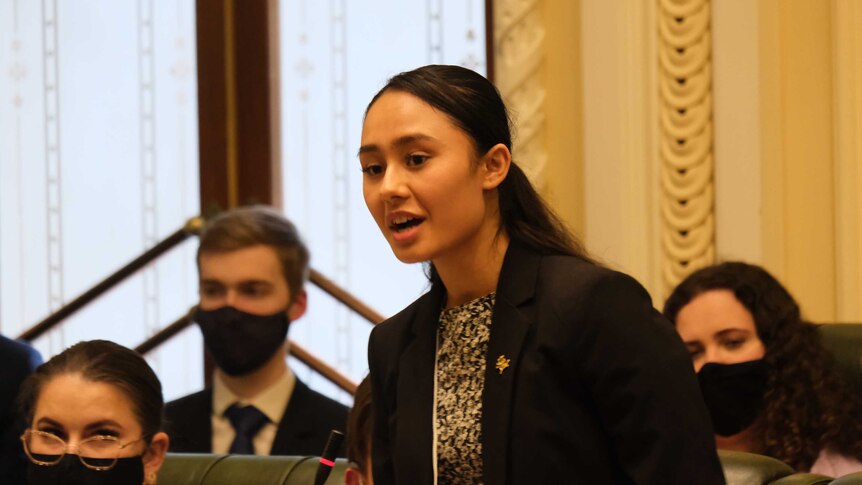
(272, 401)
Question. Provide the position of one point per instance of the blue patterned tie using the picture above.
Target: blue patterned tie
(246, 421)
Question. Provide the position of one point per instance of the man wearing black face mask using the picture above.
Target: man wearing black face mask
(252, 265)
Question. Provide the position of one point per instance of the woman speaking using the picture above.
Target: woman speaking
(525, 362)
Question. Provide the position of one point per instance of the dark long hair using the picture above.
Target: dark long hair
(808, 408)
(107, 362)
(475, 106)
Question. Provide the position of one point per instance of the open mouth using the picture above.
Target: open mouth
(402, 224)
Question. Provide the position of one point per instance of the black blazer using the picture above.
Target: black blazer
(303, 429)
(17, 361)
(600, 389)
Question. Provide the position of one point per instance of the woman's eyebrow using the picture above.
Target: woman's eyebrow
(101, 424)
(397, 143)
(49, 421)
(727, 331)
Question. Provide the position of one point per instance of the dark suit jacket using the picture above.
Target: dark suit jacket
(17, 361)
(600, 389)
(303, 429)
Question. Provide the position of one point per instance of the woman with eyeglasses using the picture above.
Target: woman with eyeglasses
(94, 414)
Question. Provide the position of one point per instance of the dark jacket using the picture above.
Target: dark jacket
(599, 387)
(303, 429)
(17, 361)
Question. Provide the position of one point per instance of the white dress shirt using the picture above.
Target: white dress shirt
(272, 402)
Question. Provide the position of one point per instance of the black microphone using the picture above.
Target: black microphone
(327, 461)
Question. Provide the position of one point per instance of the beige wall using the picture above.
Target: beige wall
(787, 158)
(564, 184)
(787, 140)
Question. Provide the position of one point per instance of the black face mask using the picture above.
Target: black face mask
(733, 394)
(70, 471)
(241, 342)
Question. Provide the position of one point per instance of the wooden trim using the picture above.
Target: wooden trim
(212, 106)
(489, 39)
(238, 103)
(324, 369)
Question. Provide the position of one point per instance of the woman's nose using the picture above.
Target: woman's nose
(393, 186)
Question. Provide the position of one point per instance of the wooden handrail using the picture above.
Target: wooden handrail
(166, 333)
(324, 369)
(191, 227)
(344, 297)
(303, 355)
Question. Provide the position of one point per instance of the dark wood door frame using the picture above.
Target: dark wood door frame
(238, 103)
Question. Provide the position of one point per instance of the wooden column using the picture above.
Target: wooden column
(238, 103)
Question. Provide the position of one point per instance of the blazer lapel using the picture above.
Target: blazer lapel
(510, 324)
(415, 399)
(296, 424)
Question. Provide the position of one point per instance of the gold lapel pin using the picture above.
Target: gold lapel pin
(502, 363)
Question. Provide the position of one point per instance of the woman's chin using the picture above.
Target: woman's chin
(408, 258)
(408, 255)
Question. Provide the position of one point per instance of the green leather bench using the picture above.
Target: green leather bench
(200, 469)
(203, 469)
(750, 469)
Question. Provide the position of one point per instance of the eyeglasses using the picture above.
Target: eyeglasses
(98, 452)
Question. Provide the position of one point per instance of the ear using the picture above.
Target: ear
(352, 476)
(154, 456)
(495, 165)
(299, 305)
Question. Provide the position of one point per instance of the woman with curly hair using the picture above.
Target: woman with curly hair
(768, 383)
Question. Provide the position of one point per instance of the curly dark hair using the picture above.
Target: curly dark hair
(808, 408)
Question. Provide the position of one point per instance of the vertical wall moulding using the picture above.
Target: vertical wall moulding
(435, 31)
(847, 115)
(147, 140)
(688, 233)
(341, 160)
(53, 193)
(519, 35)
(471, 60)
(305, 68)
(18, 72)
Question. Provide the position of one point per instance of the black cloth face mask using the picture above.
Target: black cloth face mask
(241, 342)
(70, 471)
(733, 394)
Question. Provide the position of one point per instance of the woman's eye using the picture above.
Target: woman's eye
(734, 344)
(53, 431)
(372, 170)
(695, 352)
(416, 159)
(107, 432)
